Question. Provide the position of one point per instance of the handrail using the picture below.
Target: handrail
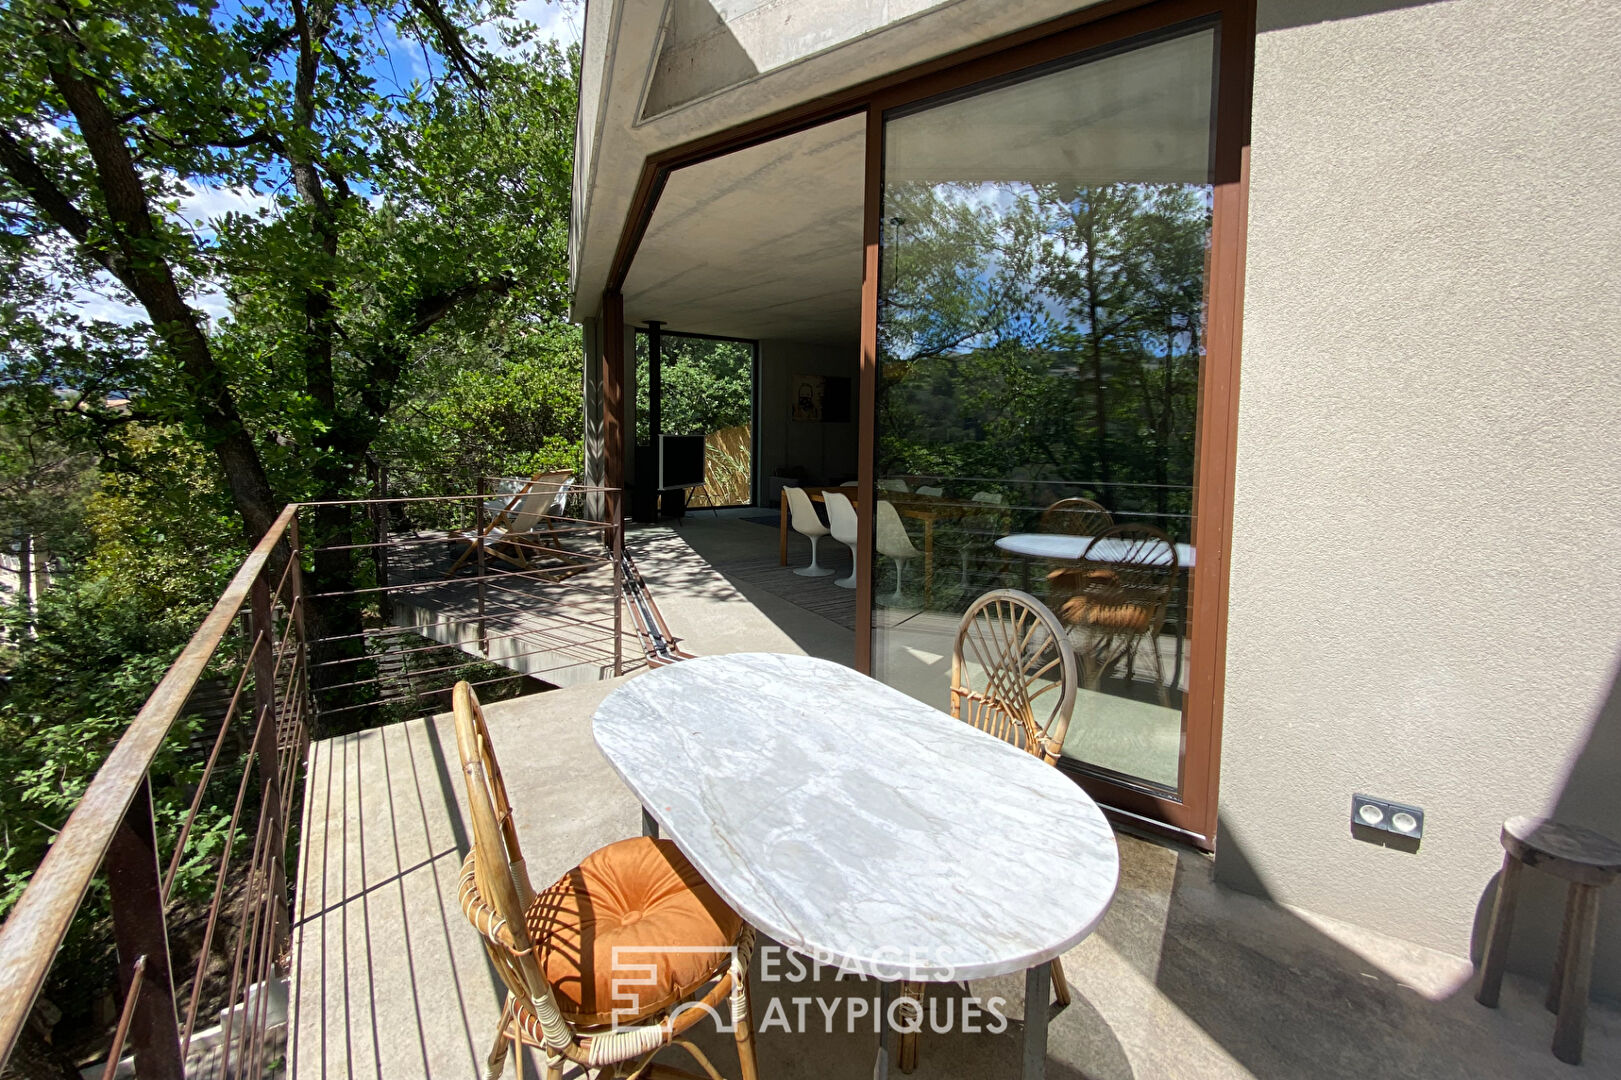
(47, 906)
(112, 830)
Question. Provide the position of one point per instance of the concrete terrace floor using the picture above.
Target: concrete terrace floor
(1183, 978)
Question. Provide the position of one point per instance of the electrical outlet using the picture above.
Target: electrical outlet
(1392, 817)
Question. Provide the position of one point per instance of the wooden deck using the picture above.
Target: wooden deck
(559, 628)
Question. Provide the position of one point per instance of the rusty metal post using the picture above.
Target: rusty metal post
(619, 583)
(478, 533)
(295, 604)
(379, 516)
(265, 746)
(135, 886)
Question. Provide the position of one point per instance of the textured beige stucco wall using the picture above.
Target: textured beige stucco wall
(1426, 570)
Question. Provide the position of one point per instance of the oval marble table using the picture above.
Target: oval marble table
(861, 827)
(1064, 547)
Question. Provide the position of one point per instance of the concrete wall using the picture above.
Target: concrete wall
(1426, 573)
(827, 451)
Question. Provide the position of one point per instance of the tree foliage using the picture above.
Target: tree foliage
(384, 285)
(707, 385)
(1045, 340)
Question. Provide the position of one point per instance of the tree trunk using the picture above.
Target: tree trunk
(1167, 414)
(42, 571)
(1094, 337)
(25, 579)
(131, 257)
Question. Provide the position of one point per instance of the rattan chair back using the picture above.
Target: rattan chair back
(1076, 517)
(1014, 673)
(1131, 566)
(497, 894)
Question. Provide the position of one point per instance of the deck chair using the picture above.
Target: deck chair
(523, 525)
(613, 963)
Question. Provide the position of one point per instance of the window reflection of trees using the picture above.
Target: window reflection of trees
(1048, 337)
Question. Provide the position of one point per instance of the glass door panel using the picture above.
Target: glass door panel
(1041, 317)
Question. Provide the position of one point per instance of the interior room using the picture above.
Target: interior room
(751, 264)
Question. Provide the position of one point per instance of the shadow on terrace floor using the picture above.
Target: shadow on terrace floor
(1183, 979)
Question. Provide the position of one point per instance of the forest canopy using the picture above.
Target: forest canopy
(253, 253)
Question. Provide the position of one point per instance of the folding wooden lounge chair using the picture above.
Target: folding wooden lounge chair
(615, 961)
(523, 526)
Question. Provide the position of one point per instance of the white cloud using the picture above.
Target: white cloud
(94, 304)
(103, 298)
(202, 203)
(562, 21)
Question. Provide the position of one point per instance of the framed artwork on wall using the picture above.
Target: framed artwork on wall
(808, 394)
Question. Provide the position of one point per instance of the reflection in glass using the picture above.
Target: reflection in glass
(1041, 322)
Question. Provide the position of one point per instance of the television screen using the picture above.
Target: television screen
(681, 461)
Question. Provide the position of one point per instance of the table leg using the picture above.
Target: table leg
(886, 994)
(649, 826)
(1037, 990)
(782, 529)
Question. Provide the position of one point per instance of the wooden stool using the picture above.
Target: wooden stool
(1589, 862)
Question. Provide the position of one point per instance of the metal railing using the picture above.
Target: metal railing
(302, 650)
(113, 828)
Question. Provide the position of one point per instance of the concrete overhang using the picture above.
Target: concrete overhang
(658, 74)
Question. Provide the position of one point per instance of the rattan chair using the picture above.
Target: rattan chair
(1076, 517)
(1117, 596)
(1014, 676)
(1014, 673)
(582, 986)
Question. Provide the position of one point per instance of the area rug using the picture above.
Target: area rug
(816, 595)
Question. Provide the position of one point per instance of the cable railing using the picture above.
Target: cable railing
(345, 616)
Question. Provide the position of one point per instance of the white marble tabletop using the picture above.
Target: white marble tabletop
(1070, 548)
(857, 825)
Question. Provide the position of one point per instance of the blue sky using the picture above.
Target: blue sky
(405, 61)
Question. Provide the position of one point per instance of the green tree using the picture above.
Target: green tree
(393, 219)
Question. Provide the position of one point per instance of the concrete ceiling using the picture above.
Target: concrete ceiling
(656, 74)
(761, 243)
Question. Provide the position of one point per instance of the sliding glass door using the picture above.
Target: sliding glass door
(1045, 242)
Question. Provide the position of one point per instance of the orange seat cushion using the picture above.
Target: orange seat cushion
(1116, 618)
(629, 904)
(1094, 597)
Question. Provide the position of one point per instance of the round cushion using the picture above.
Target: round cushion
(1117, 618)
(630, 931)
